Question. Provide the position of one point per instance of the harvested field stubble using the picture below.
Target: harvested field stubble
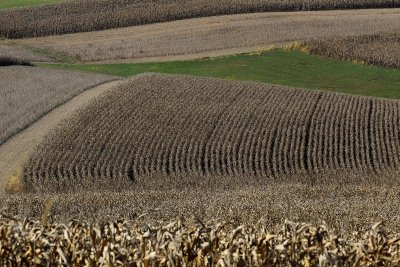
(184, 127)
(92, 15)
(343, 207)
(127, 243)
(26, 93)
(21, 53)
(379, 49)
(215, 36)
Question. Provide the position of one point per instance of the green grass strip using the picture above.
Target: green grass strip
(291, 68)
(19, 3)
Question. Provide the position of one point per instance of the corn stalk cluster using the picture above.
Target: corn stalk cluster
(161, 126)
(126, 243)
(90, 15)
(378, 49)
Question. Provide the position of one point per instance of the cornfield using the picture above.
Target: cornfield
(91, 15)
(378, 49)
(344, 207)
(179, 126)
(128, 243)
(213, 36)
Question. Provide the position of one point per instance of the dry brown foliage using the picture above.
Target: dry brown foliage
(15, 183)
(347, 207)
(158, 125)
(379, 49)
(129, 243)
(26, 93)
(20, 53)
(214, 36)
(91, 15)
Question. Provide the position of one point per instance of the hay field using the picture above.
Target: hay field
(156, 126)
(379, 49)
(216, 35)
(29, 92)
(93, 15)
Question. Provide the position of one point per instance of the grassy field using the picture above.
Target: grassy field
(291, 68)
(18, 3)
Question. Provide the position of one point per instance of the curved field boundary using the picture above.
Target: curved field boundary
(27, 93)
(94, 15)
(213, 36)
(380, 49)
(16, 150)
(21, 53)
(160, 130)
(6, 4)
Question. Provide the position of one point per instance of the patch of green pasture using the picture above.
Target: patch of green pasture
(19, 3)
(290, 68)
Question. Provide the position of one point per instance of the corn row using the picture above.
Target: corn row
(165, 125)
(91, 15)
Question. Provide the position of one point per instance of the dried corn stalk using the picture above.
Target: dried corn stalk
(126, 243)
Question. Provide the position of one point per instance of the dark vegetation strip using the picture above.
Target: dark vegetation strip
(10, 61)
(91, 15)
